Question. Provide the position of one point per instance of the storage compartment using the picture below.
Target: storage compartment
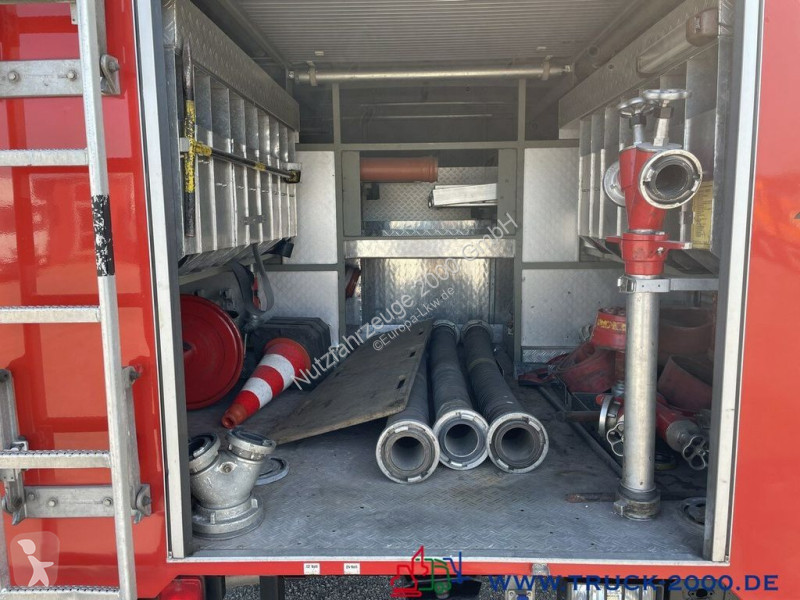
(498, 213)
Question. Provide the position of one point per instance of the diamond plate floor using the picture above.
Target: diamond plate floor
(336, 503)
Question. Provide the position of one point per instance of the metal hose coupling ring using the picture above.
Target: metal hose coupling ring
(407, 450)
(518, 442)
(222, 481)
(460, 429)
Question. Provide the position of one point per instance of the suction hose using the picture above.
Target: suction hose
(461, 431)
(518, 442)
(407, 450)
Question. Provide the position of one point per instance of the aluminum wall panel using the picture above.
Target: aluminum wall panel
(429, 248)
(220, 55)
(307, 294)
(550, 205)
(386, 281)
(316, 211)
(433, 31)
(556, 303)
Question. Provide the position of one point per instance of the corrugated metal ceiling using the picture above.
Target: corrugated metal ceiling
(360, 32)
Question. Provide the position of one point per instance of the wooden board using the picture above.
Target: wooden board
(369, 384)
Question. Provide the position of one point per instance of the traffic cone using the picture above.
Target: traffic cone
(283, 360)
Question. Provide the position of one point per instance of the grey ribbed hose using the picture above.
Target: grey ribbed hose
(461, 431)
(407, 450)
(518, 442)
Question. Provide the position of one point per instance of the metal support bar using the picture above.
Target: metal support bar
(68, 502)
(54, 459)
(120, 432)
(28, 78)
(72, 157)
(543, 71)
(631, 285)
(60, 593)
(637, 497)
(49, 314)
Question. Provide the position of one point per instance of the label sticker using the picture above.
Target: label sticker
(703, 216)
(352, 568)
(311, 569)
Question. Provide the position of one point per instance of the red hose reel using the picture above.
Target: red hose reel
(213, 351)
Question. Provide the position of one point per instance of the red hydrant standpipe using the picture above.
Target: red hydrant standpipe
(650, 178)
(284, 359)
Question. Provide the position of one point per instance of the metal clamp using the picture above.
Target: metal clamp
(631, 285)
(62, 501)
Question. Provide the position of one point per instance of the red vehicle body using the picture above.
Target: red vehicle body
(46, 257)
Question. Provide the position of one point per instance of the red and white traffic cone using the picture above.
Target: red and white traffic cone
(284, 359)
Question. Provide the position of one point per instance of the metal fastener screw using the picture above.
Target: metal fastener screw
(107, 502)
(72, 75)
(52, 502)
(31, 496)
(13, 76)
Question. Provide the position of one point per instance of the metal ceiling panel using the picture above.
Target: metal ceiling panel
(363, 32)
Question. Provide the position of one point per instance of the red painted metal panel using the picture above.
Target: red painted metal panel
(46, 258)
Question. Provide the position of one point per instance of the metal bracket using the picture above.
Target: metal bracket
(53, 78)
(63, 501)
(14, 499)
(109, 82)
(632, 285)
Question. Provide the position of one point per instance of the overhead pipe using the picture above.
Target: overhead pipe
(407, 450)
(400, 170)
(461, 431)
(518, 442)
(544, 71)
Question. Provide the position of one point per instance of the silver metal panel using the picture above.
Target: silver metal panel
(335, 502)
(432, 228)
(429, 248)
(584, 179)
(557, 303)
(386, 281)
(621, 74)
(550, 206)
(27, 78)
(607, 211)
(429, 31)
(218, 54)
(409, 201)
(316, 211)
(733, 286)
(540, 355)
(307, 294)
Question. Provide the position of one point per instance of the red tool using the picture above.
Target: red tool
(283, 360)
(213, 351)
(686, 383)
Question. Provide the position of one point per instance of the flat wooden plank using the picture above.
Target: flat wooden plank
(369, 384)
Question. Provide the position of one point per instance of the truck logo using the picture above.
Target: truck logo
(422, 574)
(35, 559)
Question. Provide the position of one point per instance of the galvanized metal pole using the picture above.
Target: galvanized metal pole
(638, 497)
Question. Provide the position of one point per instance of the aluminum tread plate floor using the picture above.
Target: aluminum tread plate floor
(336, 503)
